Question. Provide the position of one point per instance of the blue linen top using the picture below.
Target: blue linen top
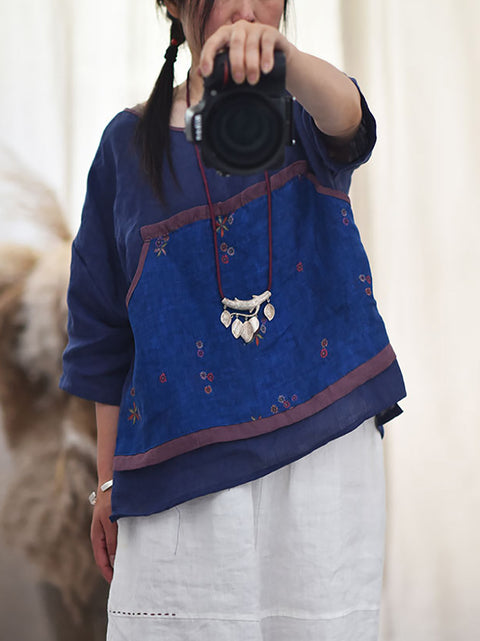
(199, 410)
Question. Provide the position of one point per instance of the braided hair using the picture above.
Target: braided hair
(153, 130)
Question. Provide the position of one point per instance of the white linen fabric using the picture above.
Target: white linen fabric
(297, 554)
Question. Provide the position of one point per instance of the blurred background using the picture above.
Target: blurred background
(66, 68)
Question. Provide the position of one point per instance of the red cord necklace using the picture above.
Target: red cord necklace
(241, 315)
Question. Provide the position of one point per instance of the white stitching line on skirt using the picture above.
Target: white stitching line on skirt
(143, 614)
(338, 615)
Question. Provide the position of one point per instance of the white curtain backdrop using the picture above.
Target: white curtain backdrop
(66, 68)
(418, 61)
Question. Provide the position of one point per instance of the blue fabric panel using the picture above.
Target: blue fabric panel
(326, 322)
(223, 465)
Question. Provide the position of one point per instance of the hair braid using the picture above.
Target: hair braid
(153, 131)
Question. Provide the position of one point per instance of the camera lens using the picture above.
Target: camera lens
(244, 131)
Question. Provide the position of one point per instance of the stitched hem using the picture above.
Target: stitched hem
(245, 619)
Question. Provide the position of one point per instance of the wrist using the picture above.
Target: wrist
(102, 488)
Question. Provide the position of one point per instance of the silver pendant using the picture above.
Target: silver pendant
(237, 328)
(226, 318)
(269, 311)
(248, 311)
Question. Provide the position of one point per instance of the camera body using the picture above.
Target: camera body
(242, 129)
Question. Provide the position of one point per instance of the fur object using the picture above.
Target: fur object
(51, 434)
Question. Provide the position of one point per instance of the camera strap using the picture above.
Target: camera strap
(240, 315)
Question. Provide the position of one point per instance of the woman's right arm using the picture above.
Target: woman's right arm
(103, 532)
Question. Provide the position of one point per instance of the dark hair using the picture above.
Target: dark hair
(153, 130)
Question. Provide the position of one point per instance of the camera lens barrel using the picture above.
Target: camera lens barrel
(242, 129)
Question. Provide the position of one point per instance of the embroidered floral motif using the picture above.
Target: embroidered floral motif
(300, 267)
(134, 414)
(255, 419)
(366, 279)
(345, 219)
(227, 251)
(283, 402)
(221, 224)
(162, 378)
(160, 245)
(261, 330)
(200, 349)
(324, 351)
(208, 389)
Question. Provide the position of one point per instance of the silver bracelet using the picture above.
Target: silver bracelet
(104, 487)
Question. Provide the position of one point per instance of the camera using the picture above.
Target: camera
(242, 129)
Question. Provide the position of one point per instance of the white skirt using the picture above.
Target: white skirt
(294, 556)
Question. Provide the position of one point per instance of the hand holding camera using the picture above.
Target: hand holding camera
(244, 119)
(242, 128)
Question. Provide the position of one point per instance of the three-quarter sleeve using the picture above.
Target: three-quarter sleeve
(324, 155)
(99, 352)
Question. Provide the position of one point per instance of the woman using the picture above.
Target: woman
(247, 467)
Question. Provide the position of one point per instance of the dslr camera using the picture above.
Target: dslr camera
(242, 129)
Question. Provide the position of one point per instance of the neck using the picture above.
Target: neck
(195, 84)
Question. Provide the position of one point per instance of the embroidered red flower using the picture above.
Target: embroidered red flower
(368, 279)
(162, 378)
(286, 404)
(210, 377)
(324, 353)
(225, 259)
(208, 389)
(368, 291)
(300, 267)
(294, 398)
(200, 353)
(346, 222)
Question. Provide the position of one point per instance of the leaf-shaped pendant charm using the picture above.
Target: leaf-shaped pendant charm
(269, 311)
(247, 332)
(237, 327)
(226, 318)
(255, 323)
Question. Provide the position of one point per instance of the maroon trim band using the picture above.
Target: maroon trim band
(225, 433)
(138, 273)
(201, 212)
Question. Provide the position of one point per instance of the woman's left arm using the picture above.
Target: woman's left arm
(326, 93)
